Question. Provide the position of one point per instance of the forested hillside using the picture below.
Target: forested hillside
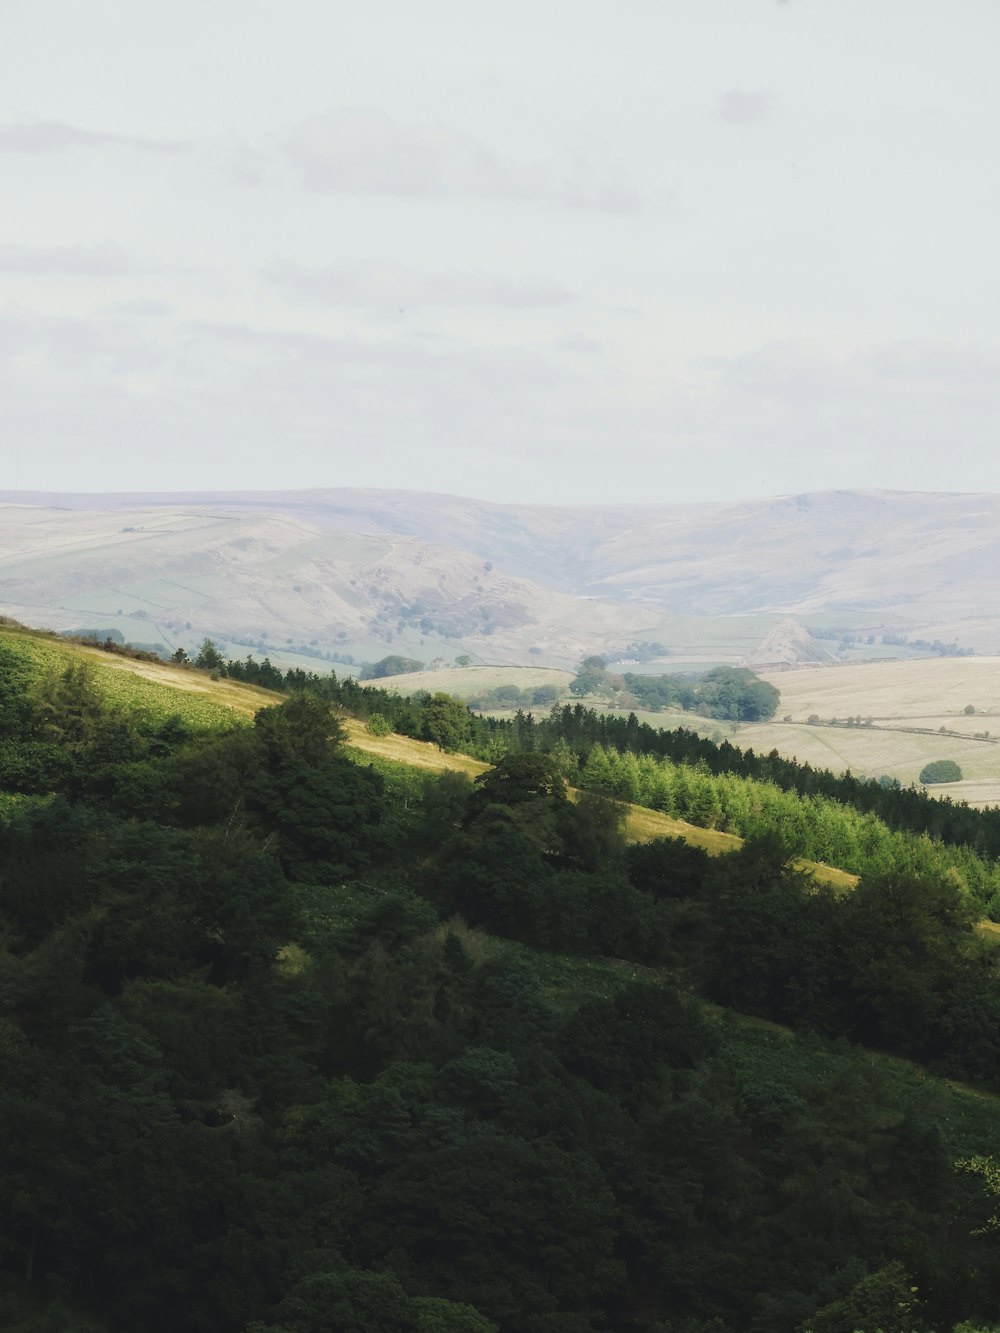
(295, 1042)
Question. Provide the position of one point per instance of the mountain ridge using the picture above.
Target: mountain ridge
(405, 570)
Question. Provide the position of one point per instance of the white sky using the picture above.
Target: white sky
(565, 251)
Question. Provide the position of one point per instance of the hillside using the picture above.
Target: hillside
(273, 1019)
(773, 582)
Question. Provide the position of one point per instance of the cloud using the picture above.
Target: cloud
(916, 415)
(53, 352)
(738, 107)
(55, 136)
(86, 261)
(114, 404)
(366, 152)
(926, 363)
(386, 284)
(260, 354)
(580, 344)
(279, 406)
(897, 372)
(144, 307)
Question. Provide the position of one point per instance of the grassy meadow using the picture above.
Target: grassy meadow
(467, 682)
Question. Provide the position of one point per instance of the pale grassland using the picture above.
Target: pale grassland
(893, 691)
(643, 825)
(465, 682)
(928, 693)
(867, 751)
(404, 750)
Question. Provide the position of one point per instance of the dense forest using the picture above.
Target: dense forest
(299, 1042)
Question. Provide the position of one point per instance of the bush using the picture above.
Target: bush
(941, 770)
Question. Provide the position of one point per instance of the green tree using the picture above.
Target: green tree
(348, 1301)
(883, 1302)
(438, 1316)
(447, 722)
(302, 729)
(941, 770)
(736, 694)
(69, 705)
(209, 658)
(444, 798)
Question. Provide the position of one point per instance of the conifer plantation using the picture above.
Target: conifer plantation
(296, 1040)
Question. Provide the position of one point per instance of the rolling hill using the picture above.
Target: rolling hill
(360, 573)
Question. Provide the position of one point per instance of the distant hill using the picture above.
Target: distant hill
(773, 582)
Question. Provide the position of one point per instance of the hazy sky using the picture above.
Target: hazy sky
(558, 251)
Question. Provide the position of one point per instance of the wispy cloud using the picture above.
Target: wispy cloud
(55, 136)
(741, 107)
(367, 152)
(144, 307)
(385, 284)
(914, 369)
(52, 352)
(86, 261)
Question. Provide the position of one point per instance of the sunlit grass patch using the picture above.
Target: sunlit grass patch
(153, 689)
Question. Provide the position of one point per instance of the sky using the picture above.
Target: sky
(563, 251)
